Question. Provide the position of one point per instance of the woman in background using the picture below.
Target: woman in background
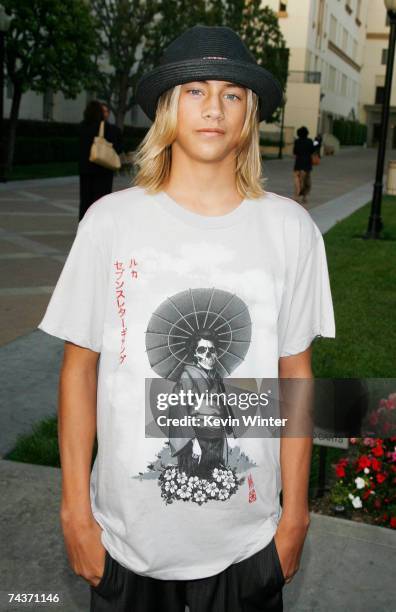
(95, 181)
(302, 150)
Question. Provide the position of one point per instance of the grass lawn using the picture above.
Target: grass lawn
(363, 283)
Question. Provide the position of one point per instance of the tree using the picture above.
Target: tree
(121, 25)
(48, 47)
(134, 33)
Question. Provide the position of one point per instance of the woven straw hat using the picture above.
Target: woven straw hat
(203, 53)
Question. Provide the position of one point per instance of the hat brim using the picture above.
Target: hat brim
(151, 85)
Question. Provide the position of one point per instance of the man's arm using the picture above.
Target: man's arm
(76, 436)
(295, 457)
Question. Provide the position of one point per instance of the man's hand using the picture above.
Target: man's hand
(196, 450)
(289, 541)
(84, 547)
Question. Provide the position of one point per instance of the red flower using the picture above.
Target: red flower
(376, 465)
(381, 478)
(363, 462)
(340, 471)
(377, 451)
(366, 494)
(393, 522)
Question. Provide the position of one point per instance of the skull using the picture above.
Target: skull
(206, 354)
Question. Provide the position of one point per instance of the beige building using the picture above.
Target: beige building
(326, 39)
(373, 75)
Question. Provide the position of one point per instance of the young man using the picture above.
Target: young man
(196, 248)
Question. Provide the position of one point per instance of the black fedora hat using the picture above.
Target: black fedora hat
(209, 52)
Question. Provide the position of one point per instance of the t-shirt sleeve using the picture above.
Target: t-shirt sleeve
(76, 309)
(307, 308)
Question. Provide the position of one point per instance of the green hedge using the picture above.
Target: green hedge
(269, 142)
(29, 150)
(349, 132)
(40, 142)
(27, 128)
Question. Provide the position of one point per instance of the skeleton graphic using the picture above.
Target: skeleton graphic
(206, 354)
(204, 447)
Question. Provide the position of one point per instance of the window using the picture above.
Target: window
(379, 95)
(333, 29)
(384, 56)
(344, 44)
(332, 78)
(283, 7)
(354, 50)
(343, 91)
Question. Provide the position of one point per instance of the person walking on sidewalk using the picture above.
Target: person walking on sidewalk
(95, 180)
(194, 264)
(302, 150)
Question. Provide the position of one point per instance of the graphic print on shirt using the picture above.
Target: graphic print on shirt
(194, 339)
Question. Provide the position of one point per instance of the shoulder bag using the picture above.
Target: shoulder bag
(102, 152)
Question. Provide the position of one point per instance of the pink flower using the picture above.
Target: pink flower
(392, 456)
(391, 403)
(369, 442)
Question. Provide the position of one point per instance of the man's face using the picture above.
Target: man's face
(210, 105)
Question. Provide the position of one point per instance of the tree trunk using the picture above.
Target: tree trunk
(10, 141)
(123, 88)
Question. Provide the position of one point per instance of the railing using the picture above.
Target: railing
(304, 76)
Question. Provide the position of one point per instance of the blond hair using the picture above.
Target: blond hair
(153, 156)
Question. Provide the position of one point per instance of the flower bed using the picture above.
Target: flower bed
(366, 477)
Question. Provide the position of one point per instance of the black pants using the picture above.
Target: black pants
(212, 457)
(93, 187)
(252, 585)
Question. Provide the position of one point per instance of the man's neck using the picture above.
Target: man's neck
(203, 190)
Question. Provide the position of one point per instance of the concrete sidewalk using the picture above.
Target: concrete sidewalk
(345, 565)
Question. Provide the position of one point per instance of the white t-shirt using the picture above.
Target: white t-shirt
(143, 274)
